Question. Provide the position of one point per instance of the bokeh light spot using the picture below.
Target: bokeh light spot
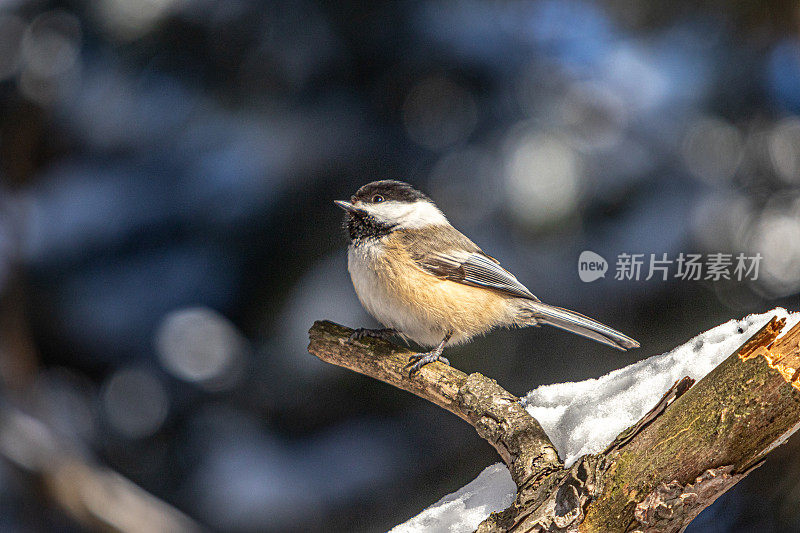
(129, 19)
(543, 179)
(712, 149)
(775, 237)
(784, 149)
(200, 345)
(135, 402)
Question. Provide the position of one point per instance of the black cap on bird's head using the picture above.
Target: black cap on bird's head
(388, 190)
(379, 207)
(382, 191)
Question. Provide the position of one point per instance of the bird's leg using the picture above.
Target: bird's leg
(418, 360)
(383, 333)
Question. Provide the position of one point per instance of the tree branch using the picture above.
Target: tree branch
(495, 413)
(726, 423)
(656, 476)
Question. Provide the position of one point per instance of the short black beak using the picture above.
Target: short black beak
(347, 206)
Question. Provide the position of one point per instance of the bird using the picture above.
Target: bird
(426, 281)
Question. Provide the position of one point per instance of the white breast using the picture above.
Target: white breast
(383, 305)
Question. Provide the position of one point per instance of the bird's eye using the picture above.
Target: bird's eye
(378, 198)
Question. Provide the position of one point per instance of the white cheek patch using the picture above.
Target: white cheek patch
(407, 215)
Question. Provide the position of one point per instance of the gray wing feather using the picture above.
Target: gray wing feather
(447, 253)
(476, 269)
(482, 271)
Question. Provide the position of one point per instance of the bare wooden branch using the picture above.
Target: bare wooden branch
(656, 476)
(495, 413)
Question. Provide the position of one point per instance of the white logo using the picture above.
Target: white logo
(591, 266)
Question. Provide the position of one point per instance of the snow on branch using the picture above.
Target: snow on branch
(643, 450)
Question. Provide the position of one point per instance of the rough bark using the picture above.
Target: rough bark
(657, 476)
(495, 413)
(729, 420)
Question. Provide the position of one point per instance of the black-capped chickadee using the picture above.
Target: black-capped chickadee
(426, 281)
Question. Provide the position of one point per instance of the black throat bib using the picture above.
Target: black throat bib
(361, 226)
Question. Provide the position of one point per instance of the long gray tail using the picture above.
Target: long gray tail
(580, 324)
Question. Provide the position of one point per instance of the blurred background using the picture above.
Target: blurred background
(167, 235)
